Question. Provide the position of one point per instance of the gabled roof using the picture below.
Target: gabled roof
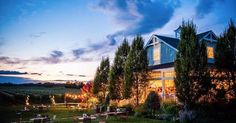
(175, 41)
(201, 35)
(178, 29)
(171, 41)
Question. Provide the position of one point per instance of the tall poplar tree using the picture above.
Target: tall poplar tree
(101, 79)
(136, 68)
(225, 56)
(116, 76)
(96, 82)
(192, 77)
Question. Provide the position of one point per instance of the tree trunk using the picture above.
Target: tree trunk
(137, 95)
(137, 89)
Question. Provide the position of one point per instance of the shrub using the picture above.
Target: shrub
(152, 103)
(139, 111)
(187, 116)
(169, 107)
(103, 107)
(128, 109)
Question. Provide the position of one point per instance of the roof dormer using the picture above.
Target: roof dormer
(177, 32)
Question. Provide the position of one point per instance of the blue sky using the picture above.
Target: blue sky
(64, 39)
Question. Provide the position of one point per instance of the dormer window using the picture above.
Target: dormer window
(210, 52)
(156, 53)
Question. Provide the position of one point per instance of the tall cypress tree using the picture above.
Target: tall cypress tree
(225, 56)
(136, 68)
(116, 76)
(96, 82)
(101, 79)
(192, 78)
(113, 89)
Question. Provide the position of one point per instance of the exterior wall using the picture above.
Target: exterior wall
(159, 82)
(150, 55)
(167, 54)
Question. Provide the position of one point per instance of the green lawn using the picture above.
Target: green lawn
(38, 90)
(63, 115)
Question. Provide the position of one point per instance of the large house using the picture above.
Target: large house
(161, 53)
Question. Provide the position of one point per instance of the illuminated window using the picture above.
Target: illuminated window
(210, 52)
(169, 74)
(169, 83)
(169, 86)
(155, 83)
(156, 54)
(154, 74)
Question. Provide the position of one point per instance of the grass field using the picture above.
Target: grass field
(10, 113)
(38, 90)
(63, 115)
(16, 94)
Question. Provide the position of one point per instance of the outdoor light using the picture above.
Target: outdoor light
(27, 100)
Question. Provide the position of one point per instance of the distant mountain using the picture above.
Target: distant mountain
(17, 80)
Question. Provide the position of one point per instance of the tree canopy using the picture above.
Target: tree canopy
(192, 78)
(116, 75)
(136, 68)
(225, 60)
(101, 79)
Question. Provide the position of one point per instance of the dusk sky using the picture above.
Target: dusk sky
(66, 39)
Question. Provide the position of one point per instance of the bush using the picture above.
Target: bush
(169, 107)
(139, 111)
(128, 109)
(152, 103)
(103, 107)
(187, 116)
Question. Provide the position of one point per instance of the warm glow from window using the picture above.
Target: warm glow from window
(155, 83)
(210, 52)
(154, 74)
(156, 54)
(169, 83)
(169, 74)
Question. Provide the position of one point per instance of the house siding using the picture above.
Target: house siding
(168, 54)
(150, 55)
(162, 73)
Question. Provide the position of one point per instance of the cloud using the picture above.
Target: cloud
(54, 58)
(39, 74)
(7, 72)
(37, 35)
(93, 52)
(88, 59)
(78, 52)
(56, 54)
(76, 75)
(137, 17)
(83, 54)
(8, 60)
(204, 7)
